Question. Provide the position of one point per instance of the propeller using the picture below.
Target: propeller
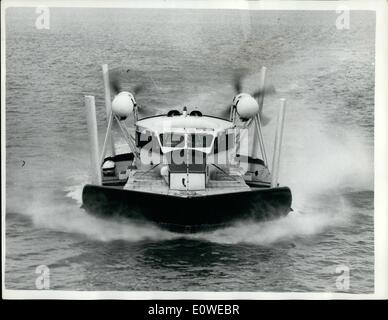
(120, 80)
(268, 89)
(238, 77)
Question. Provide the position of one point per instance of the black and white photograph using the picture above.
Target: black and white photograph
(197, 147)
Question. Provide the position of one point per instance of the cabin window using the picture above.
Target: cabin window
(186, 160)
(199, 140)
(143, 138)
(172, 140)
(224, 142)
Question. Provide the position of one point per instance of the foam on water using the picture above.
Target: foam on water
(65, 217)
(284, 229)
(75, 193)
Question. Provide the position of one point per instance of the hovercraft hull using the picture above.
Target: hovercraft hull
(188, 213)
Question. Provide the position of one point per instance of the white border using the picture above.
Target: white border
(381, 148)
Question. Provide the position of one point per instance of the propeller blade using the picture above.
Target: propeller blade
(264, 120)
(237, 83)
(144, 112)
(138, 88)
(238, 76)
(268, 90)
(225, 112)
(121, 79)
(115, 83)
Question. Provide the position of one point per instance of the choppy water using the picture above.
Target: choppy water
(326, 74)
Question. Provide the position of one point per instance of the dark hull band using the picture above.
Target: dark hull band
(191, 214)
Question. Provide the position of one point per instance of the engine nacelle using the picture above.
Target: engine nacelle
(123, 104)
(246, 106)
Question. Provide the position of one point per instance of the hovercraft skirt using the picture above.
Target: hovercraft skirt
(188, 214)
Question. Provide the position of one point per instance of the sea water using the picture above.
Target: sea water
(327, 76)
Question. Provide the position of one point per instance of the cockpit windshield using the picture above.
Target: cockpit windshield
(186, 140)
(172, 140)
(199, 140)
